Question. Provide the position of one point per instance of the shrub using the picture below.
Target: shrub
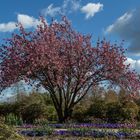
(12, 119)
(79, 110)
(7, 133)
(32, 112)
(51, 113)
(129, 111)
(114, 112)
(97, 109)
(122, 112)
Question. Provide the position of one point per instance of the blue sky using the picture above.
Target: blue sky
(96, 23)
(115, 20)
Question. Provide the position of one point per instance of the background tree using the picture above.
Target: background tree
(31, 107)
(111, 96)
(114, 112)
(81, 108)
(64, 62)
(129, 111)
(97, 109)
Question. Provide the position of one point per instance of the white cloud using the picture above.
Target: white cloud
(25, 20)
(75, 5)
(134, 64)
(119, 23)
(72, 5)
(7, 27)
(91, 9)
(68, 6)
(127, 28)
(51, 11)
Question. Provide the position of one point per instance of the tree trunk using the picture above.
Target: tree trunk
(60, 116)
(64, 116)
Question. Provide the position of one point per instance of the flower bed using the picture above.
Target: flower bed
(82, 130)
(79, 133)
(85, 125)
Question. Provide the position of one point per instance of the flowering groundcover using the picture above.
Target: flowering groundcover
(83, 130)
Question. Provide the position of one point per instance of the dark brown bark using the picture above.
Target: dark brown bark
(64, 116)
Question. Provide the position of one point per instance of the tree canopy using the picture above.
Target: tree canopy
(64, 62)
